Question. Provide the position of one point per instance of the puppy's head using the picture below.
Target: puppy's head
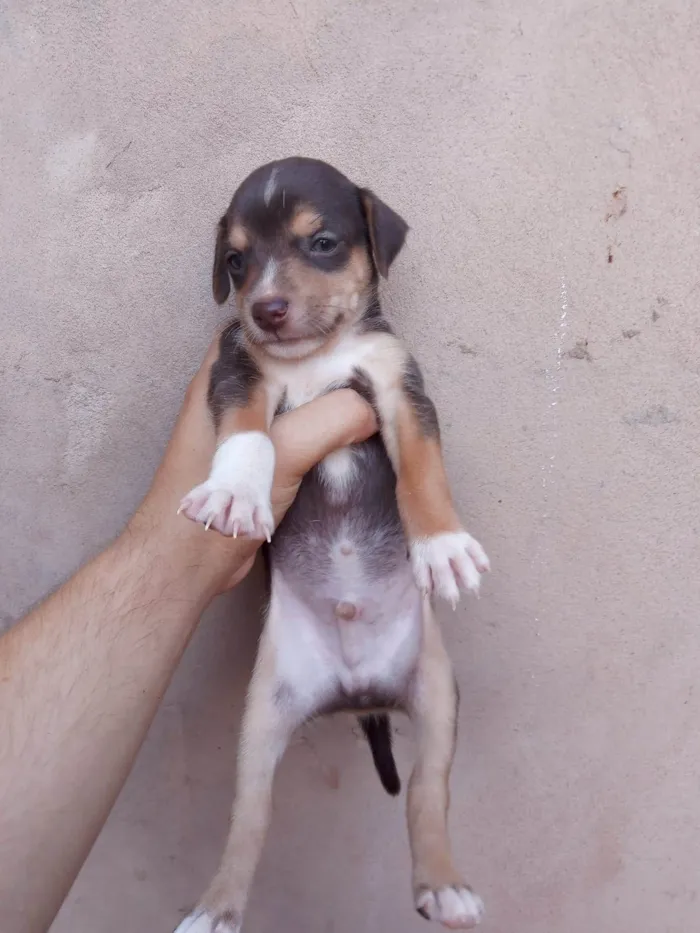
(302, 247)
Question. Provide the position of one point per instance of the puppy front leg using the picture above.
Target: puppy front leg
(444, 556)
(266, 729)
(439, 891)
(235, 499)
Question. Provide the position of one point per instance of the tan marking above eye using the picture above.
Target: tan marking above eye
(238, 237)
(306, 221)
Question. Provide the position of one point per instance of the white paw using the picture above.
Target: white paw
(444, 563)
(457, 908)
(233, 512)
(236, 498)
(201, 921)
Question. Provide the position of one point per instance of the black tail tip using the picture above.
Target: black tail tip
(377, 730)
(391, 783)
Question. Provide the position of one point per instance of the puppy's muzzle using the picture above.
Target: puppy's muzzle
(270, 314)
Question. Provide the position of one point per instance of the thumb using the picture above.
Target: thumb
(306, 435)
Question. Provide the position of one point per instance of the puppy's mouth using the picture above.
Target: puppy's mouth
(290, 333)
(275, 337)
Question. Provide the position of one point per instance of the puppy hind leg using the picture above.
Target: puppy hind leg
(266, 730)
(439, 892)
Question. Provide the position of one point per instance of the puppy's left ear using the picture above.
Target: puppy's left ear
(220, 281)
(387, 231)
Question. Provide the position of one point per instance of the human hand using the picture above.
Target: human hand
(301, 437)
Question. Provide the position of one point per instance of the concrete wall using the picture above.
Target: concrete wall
(546, 157)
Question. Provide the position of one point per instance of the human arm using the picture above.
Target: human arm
(82, 675)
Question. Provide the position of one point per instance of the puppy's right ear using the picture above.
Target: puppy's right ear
(220, 281)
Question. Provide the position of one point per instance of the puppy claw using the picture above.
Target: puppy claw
(263, 525)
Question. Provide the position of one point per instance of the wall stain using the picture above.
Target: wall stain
(580, 351)
(607, 855)
(662, 303)
(653, 417)
(618, 205)
(463, 348)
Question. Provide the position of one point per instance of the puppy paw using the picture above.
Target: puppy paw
(444, 563)
(201, 921)
(455, 906)
(235, 500)
(233, 511)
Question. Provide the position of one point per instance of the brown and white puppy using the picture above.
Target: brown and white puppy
(371, 535)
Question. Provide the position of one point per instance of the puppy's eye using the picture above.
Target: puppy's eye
(324, 243)
(235, 261)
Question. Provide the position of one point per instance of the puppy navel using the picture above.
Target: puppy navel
(345, 611)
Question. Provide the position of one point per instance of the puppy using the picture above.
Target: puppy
(372, 534)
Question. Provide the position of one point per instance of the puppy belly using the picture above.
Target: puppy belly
(348, 637)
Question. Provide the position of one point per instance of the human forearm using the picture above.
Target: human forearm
(80, 681)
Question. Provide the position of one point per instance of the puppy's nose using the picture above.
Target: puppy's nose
(269, 314)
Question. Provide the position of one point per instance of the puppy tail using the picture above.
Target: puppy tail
(377, 730)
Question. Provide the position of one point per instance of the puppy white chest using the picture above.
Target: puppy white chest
(300, 381)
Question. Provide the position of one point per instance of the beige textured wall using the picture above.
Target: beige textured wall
(558, 328)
